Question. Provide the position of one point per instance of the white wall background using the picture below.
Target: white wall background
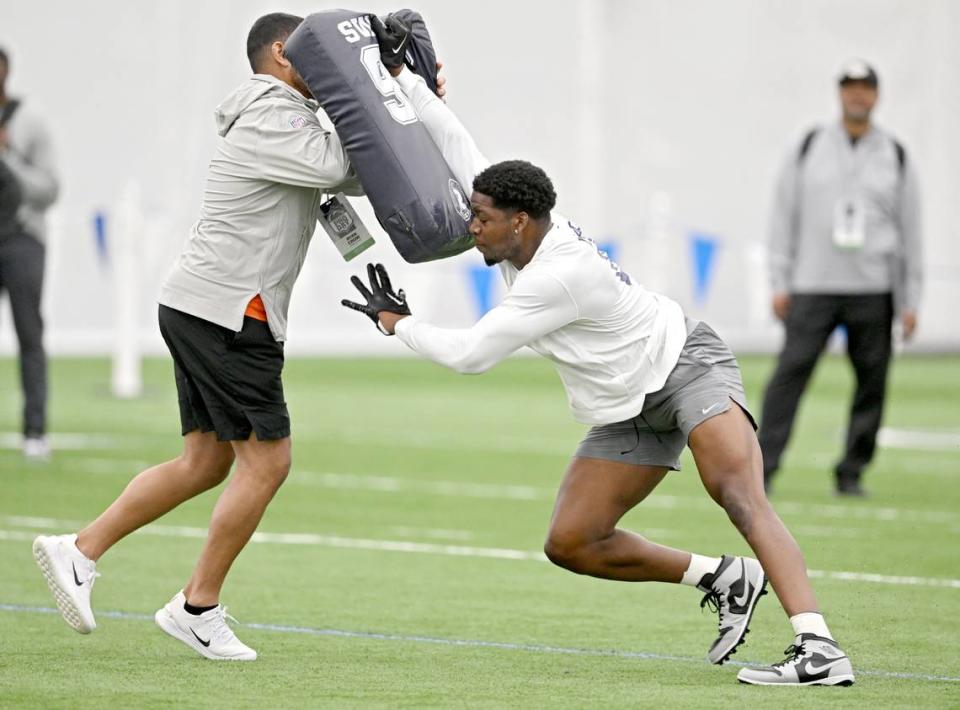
(655, 119)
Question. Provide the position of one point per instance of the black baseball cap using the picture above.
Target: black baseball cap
(858, 70)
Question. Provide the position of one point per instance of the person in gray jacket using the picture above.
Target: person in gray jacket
(223, 315)
(845, 250)
(26, 158)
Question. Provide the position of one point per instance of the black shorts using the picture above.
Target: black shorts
(227, 382)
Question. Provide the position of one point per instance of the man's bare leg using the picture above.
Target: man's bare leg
(261, 468)
(731, 467)
(68, 561)
(583, 536)
(204, 463)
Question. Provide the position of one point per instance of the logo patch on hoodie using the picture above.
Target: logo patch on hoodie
(298, 121)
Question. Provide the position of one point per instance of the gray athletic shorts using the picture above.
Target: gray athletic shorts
(704, 383)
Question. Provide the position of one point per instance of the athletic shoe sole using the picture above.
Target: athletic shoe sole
(845, 680)
(166, 622)
(758, 592)
(65, 603)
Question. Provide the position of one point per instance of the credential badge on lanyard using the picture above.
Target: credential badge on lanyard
(849, 223)
(341, 222)
(849, 212)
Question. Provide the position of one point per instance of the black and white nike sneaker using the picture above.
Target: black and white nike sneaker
(732, 591)
(811, 660)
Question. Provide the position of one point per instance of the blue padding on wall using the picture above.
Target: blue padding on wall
(481, 279)
(703, 248)
(612, 249)
(100, 235)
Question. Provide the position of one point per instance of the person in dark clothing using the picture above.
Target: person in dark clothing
(845, 250)
(28, 186)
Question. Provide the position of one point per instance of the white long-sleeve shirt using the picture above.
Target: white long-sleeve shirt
(612, 341)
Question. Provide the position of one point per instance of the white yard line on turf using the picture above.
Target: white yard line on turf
(433, 533)
(503, 443)
(17, 535)
(429, 548)
(889, 437)
(466, 489)
(495, 491)
(66, 441)
(819, 531)
(395, 484)
(472, 643)
(919, 439)
(108, 466)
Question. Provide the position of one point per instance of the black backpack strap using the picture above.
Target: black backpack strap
(805, 145)
(11, 192)
(8, 110)
(901, 156)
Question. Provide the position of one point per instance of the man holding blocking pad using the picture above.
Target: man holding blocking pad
(223, 315)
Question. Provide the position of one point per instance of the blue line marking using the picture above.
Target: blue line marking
(472, 643)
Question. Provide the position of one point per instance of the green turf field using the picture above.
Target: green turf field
(400, 564)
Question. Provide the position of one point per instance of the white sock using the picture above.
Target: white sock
(810, 623)
(699, 568)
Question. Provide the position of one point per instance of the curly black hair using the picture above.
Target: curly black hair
(518, 185)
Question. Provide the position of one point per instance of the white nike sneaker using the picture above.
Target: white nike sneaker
(811, 660)
(208, 634)
(36, 448)
(732, 591)
(70, 576)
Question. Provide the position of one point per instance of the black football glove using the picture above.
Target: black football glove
(379, 297)
(393, 36)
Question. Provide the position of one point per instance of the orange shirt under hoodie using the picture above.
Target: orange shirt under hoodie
(255, 309)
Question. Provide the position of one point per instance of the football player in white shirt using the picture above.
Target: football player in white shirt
(647, 379)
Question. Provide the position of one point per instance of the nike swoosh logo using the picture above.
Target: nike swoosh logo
(203, 643)
(75, 577)
(810, 668)
(710, 408)
(742, 601)
(399, 47)
(807, 671)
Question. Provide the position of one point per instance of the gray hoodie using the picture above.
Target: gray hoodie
(803, 258)
(264, 185)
